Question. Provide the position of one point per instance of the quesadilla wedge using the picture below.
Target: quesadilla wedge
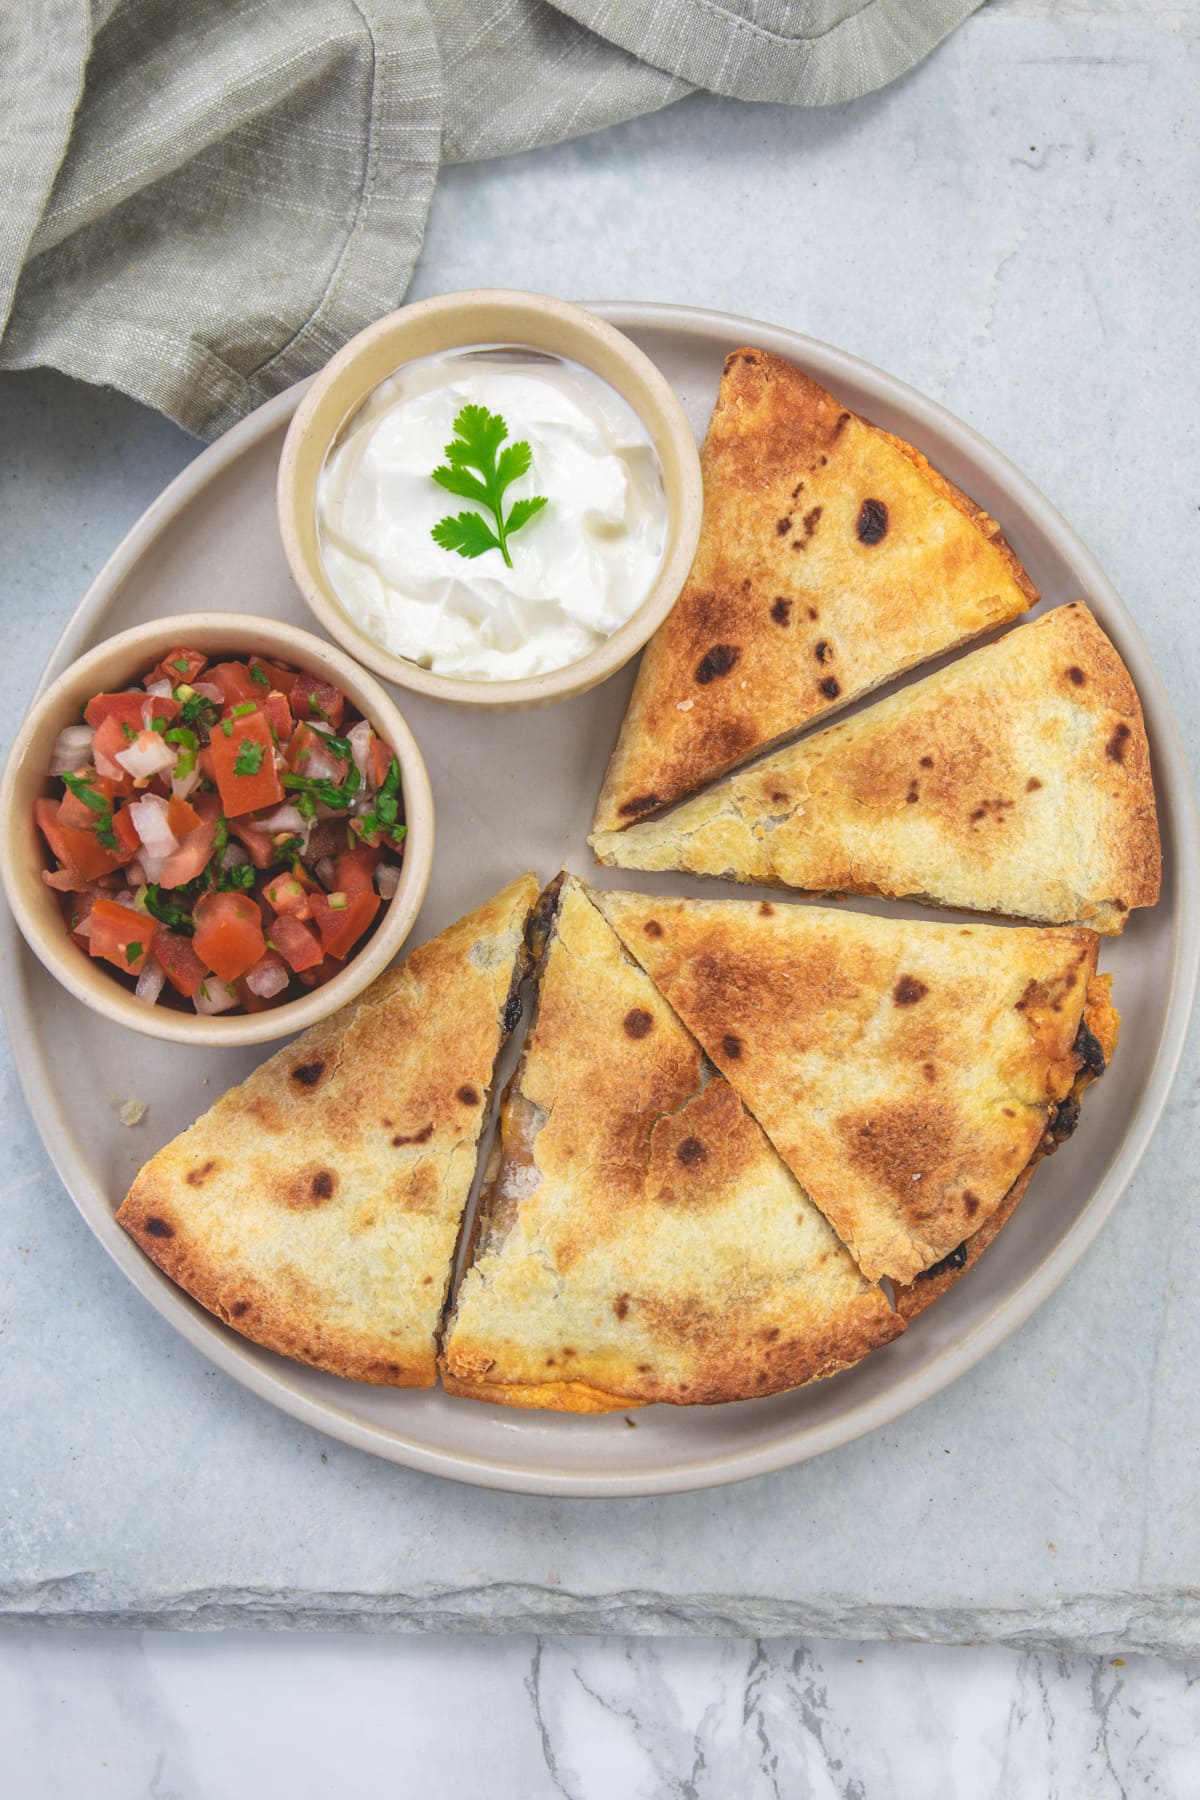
(832, 557)
(905, 1072)
(638, 1239)
(1103, 1022)
(1016, 781)
(316, 1207)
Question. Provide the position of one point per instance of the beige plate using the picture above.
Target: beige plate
(517, 792)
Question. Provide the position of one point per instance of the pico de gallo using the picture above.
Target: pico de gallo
(223, 834)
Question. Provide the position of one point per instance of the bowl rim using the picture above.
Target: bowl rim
(89, 982)
(617, 649)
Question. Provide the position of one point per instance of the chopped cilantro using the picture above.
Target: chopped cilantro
(130, 733)
(237, 878)
(227, 727)
(383, 816)
(194, 709)
(248, 760)
(105, 835)
(220, 838)
(181, 663)
(175, 918)
(327, 792)
(133, 951)
(243, 707)
(259, 674)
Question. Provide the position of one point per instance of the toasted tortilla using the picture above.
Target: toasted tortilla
(316, 1207)
(638, 1239)
(1103, 1021)
(1016, 781)
(906, 1072)
(832, 556)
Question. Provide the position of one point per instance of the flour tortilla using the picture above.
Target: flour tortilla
(832, 557)
(1016, 781)
(639, 1239)
(316, 1207)
(906, 1072)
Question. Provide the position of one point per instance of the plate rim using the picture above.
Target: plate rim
(707, 1469)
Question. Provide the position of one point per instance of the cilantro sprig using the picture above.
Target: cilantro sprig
(478, 469)
(386, 810)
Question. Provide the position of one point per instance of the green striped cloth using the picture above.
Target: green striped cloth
(203, 199)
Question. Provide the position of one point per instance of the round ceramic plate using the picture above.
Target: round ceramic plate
(517, 792)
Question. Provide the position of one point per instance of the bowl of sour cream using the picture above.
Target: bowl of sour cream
(493, 498)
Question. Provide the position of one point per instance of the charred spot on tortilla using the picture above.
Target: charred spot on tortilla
(159, 1228)
(637, 1023)
(781, 610)
(417, 1137)
(1115, 747)
(908, 990)
(782, 527)
(690, 1152)
(468, 1095)
(642, 803)
(652, 928)
(197, 1177)
(830, 687)
(323, 1184)
(823, 651)
(716, 662)
(308, 1073)
(732, 1045)
(1076, 674)
(872, 522)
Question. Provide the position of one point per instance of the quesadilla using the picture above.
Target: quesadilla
(638, 1239)
(832, 557)
(1103, 1024)
(906, 1073)
(316, 1207)
(1016, 781)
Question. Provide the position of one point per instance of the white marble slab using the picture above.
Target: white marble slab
(1009, 229)
(174, 1717)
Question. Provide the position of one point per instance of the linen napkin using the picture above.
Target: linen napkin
(203, 201)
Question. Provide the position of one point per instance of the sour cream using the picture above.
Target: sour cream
(581, 566)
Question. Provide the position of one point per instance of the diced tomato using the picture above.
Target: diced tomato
(341, 926)
(120, 935)
(380, 760)
(111, 737)
(66, 880)
(307, 743)
(312, 698)
(204, 763)
(185, 864)
(282, 680)
(244, 764)
(259, 844)
(278, 716)
(354, 870)
(323, 971)
(229, 935)
(182, 966)
(70, 827)
(181, 818)
(179, 667)
(235, 682)
(296, 943)
(287, 895)
(76, 812)
(127, 708)
(125, 831)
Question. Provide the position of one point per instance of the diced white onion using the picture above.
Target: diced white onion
(160, 690)
(359, 740)
(209, 692)
(104, 765)
(234, 857)
(182, 785)
(267, 981)
(148, 817)
(84, 927)
(286, 818)
(148, 755)
(387, 879)
(318, 766)
(220, 996)
(72, 750)
(150, 981)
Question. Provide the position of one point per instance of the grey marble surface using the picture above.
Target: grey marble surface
(1007, 228)
(176, 1717)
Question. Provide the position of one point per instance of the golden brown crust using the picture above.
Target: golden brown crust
(1016, 782)
(641, 1241)
(913, 1298)
(316, 1206)
(904, 1071)
(831, 558)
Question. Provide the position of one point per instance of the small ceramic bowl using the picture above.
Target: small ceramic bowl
(117, 663)
(457, 321)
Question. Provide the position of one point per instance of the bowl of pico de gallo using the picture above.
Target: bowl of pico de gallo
(218, 829)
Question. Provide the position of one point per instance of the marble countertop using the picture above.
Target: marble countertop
(1004, 228)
